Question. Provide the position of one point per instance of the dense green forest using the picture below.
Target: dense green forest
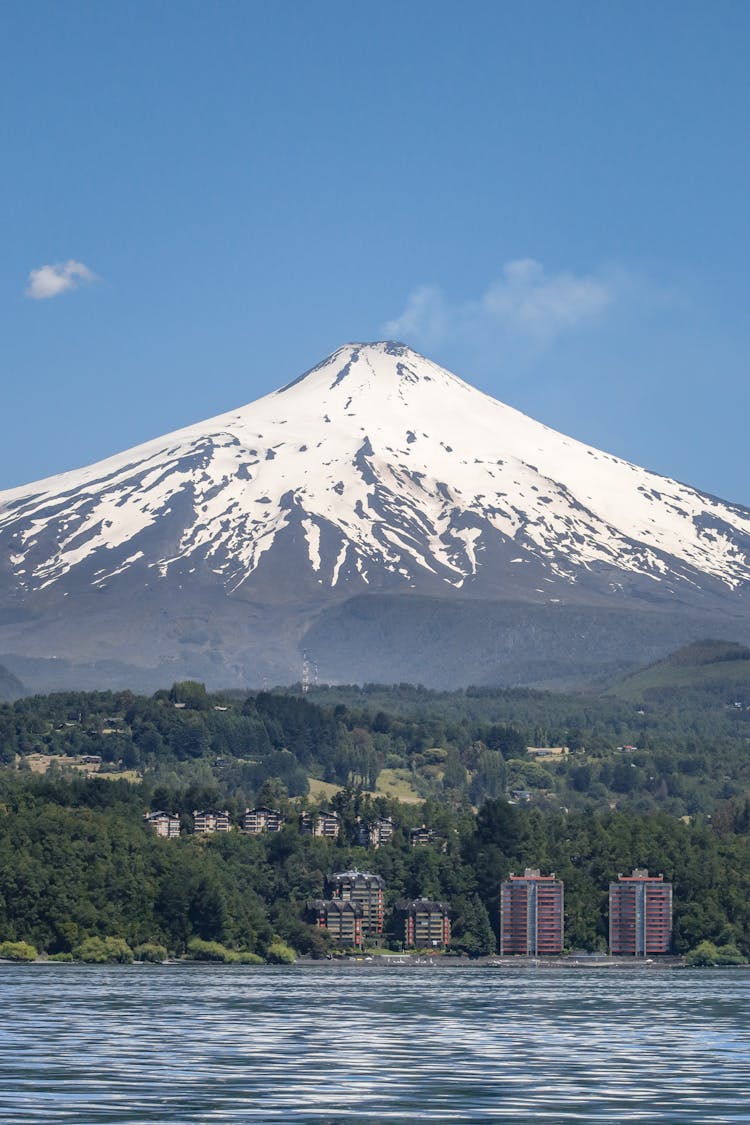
(658, 779)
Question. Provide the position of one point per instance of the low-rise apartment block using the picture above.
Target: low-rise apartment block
(208, 820)
(375, 833)
(420, 837)
(163, 823)
(341, 918)
(426, 923)
(324, 824)
(262, 819)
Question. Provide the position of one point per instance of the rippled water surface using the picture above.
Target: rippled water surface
(336, 1044)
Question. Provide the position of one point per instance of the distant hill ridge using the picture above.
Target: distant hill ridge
(719, 668)
(11, 687)
(708, 652)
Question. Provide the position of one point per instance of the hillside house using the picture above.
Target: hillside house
(547, 753)
(420, 837)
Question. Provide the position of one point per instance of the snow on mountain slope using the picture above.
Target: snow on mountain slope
(389, 468)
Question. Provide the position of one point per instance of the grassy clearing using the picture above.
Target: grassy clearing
(123, 775)
(40, 763)
(395, 784)
(398, 785)
(322, 790)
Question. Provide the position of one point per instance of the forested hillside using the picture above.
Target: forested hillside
(663, 787)
(678, 751)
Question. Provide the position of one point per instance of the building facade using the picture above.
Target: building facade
(208, 820)
(262, 819)
(420, 837)
(341, 919)
(426, 923)
(531, 914)
(640, 915)
(375, 833)
(163, 824)
(366, 891)
(324, 824)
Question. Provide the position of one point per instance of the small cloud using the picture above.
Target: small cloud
(529, 300)
(51, 281)
(525, 301)
(425, 316)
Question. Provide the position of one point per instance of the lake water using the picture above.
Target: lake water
(368, 1044)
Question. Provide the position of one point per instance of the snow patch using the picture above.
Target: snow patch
(312, 534)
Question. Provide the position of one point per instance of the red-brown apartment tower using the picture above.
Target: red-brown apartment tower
(531, 914)
(640, 915)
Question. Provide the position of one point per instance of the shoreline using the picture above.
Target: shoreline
(395, 961)
(437, 961)
(565, 963)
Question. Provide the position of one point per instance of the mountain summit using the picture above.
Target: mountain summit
(377, 472)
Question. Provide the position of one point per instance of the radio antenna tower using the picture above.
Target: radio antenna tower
(305, 674)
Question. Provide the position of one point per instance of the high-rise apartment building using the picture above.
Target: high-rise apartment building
(640, 914)
(531, 914)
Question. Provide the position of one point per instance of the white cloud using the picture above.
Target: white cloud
(539, 304)
(425, 316)
(525, 301)
(51, 281)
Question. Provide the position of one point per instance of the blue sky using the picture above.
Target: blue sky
(201, 200)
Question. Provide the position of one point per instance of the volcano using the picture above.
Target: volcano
(380, 513)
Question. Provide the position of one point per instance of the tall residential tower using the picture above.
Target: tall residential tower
(640, 914)
(531, 914)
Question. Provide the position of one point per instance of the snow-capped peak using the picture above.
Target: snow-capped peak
(381, 468)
